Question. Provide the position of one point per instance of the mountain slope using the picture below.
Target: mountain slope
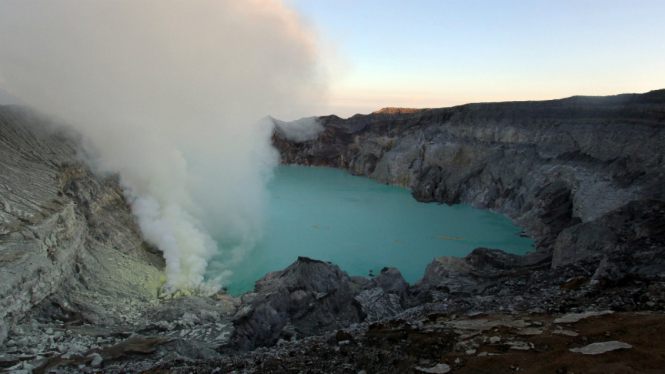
(65, 233)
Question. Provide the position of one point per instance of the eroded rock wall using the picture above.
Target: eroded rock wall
(65, 233)
(551, 166)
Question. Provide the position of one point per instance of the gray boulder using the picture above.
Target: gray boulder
(310, 297)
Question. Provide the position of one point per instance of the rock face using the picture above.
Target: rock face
(584, 176)
(65, 233)
(312, 296)
(477, 272)
(78, 285)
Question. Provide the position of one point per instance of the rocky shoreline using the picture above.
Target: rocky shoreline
(583, 176)
(551, 166)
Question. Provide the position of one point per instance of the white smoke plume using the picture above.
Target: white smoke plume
(170, 93)
(300, 130)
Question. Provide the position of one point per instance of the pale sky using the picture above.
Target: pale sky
(437, 53)
(428, 53)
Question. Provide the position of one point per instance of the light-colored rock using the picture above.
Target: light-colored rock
(575, 317)
(479, 325)
(63, 224)
(438, 369)
(520, 346)
(28, 367)
(96, 360)
(565, 332)
(191, 318)
(495, 339)
(600, 348)
(378, 304)
(530, 331)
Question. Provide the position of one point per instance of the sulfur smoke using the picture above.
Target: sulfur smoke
(300, 130)
(170, 93)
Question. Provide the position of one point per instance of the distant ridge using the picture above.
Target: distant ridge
(391, 110)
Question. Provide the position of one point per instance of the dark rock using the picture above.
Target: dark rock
(390, 280)
(314, 296)
(548, 165)
(311, 295)
(476, 272)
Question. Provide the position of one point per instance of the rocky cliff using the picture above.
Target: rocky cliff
(574, 173)
(583, 176)
(66, 234)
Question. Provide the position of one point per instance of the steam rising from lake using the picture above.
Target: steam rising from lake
(170, 93)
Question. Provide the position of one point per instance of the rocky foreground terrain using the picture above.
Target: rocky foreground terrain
(583, 176)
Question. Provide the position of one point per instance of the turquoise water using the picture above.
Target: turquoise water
(359, 224)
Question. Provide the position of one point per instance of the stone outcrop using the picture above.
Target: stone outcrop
(476, 273)
(76, 278)
(572, 172)
(66, 235)
(312, 296)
